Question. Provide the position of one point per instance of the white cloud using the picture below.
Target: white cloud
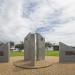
(64, 33)
(58, 15)
(12, 25)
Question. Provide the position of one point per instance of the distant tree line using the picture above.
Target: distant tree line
(20, 46)
(48, 44)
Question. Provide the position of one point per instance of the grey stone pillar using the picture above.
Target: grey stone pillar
(40, 47)
(4, 52)
(34, 48)
(29, 48)
(66, 53)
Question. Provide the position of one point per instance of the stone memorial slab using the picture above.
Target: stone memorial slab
(34, 47)
(29, 48)
(66, 53)
(4, 52)
(40, 47)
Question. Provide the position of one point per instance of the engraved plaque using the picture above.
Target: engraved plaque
(1, 53)
(70, 53)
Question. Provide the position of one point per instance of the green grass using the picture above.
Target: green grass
(16, 53)
(47, 53)
(52, 53)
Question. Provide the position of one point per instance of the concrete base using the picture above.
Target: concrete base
(27, 64)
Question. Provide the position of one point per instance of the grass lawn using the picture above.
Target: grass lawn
(52, 53)
(16, 53)
(47, 53)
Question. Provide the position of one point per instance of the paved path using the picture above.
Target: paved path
(55, 69)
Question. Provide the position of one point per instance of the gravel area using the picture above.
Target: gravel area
(55, 69)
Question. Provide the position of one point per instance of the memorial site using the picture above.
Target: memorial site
(34, 52)
(35, 59)
(37, 37)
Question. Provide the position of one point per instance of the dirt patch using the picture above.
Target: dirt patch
(55, 69)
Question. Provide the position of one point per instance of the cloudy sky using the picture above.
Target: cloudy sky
(54, 19)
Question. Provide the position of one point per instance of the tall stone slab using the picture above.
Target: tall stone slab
(29, 43)
(40, 47)
(29, 48)
(4, 52)
(66, 53)
(34, 47)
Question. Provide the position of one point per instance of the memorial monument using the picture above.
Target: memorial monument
(34, 47)
(66, 53)
(34, 52)
(4, 52)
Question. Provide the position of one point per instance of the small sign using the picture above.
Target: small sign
(70, 53)
(1, 53)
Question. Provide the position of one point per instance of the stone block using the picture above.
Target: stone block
(66, 53)
(4, 52)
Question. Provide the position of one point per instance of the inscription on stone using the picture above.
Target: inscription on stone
(70, 53)
(66, 53)
(1, 53)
